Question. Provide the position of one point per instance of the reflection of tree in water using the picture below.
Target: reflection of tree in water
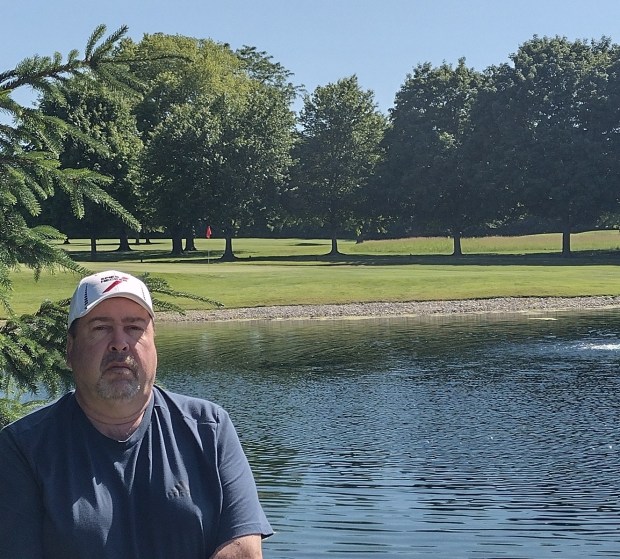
(301, 351)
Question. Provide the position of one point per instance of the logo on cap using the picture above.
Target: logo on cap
(110, 287)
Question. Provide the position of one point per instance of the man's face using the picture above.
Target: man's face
(112, 354)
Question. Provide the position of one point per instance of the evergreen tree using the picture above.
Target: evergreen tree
(32, 346)
(30, 172)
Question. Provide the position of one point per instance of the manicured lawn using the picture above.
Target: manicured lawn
(296, 271)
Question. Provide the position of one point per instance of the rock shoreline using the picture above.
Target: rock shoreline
(384, 309)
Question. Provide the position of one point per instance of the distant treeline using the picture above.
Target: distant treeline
(202, 135)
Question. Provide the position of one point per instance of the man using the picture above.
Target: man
(120, 468)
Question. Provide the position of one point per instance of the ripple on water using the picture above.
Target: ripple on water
(412, 438)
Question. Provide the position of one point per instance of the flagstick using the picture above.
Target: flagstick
(208, 235)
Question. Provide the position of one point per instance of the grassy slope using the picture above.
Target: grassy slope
(295, 271)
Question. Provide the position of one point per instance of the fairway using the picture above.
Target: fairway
(297, 271)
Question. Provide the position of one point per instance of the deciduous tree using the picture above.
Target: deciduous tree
(337, 152)
(428, 168)
(219, 134)
(104, 114)
(254, 160)
(547, 130)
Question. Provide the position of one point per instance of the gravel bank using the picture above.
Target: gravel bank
(414, 308)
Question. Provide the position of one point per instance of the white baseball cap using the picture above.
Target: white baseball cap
(94, 289)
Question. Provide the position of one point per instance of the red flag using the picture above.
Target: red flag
(208, 232)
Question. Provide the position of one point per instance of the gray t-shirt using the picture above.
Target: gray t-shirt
(179, 487)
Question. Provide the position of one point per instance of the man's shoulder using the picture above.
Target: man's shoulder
(45, 416)
(43, 428)
(197, 409)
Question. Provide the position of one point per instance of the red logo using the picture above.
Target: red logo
(114, 284)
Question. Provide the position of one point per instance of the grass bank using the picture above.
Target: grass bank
(296, 271)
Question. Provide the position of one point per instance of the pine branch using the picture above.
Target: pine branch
(93, 39)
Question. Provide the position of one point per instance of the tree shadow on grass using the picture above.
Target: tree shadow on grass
(577, 258)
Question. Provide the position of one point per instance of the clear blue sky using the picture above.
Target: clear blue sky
(320, 41)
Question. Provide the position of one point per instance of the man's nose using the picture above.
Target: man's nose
(119, 341)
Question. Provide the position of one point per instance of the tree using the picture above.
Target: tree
(180, 70)
(104, 114)
(30, 173)
(174, 90)
(428, 170)
(605, 121)
(547, 125)
(337, 152)
(254, 160)
(32, 346)
(219, 131)
(258, 136)
(179, 160)
(30, 170)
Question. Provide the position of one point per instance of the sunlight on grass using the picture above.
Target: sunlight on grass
(296, 271)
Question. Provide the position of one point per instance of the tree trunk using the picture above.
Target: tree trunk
(177, 245)
(334, 250)
(190, 245)
(143, 233)
(93, 248)
(92, 233)
(566, 252)
(228, 255)
(458, 251)
(177, 241)
(123, 245)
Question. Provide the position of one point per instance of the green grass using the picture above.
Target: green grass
(296, 271)
(548, 243)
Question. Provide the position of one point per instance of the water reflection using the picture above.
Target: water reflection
(489, 436)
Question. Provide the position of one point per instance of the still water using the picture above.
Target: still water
(473, 437)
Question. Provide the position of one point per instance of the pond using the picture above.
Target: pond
(480, 436)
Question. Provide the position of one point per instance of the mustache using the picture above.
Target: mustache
(120, 359)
